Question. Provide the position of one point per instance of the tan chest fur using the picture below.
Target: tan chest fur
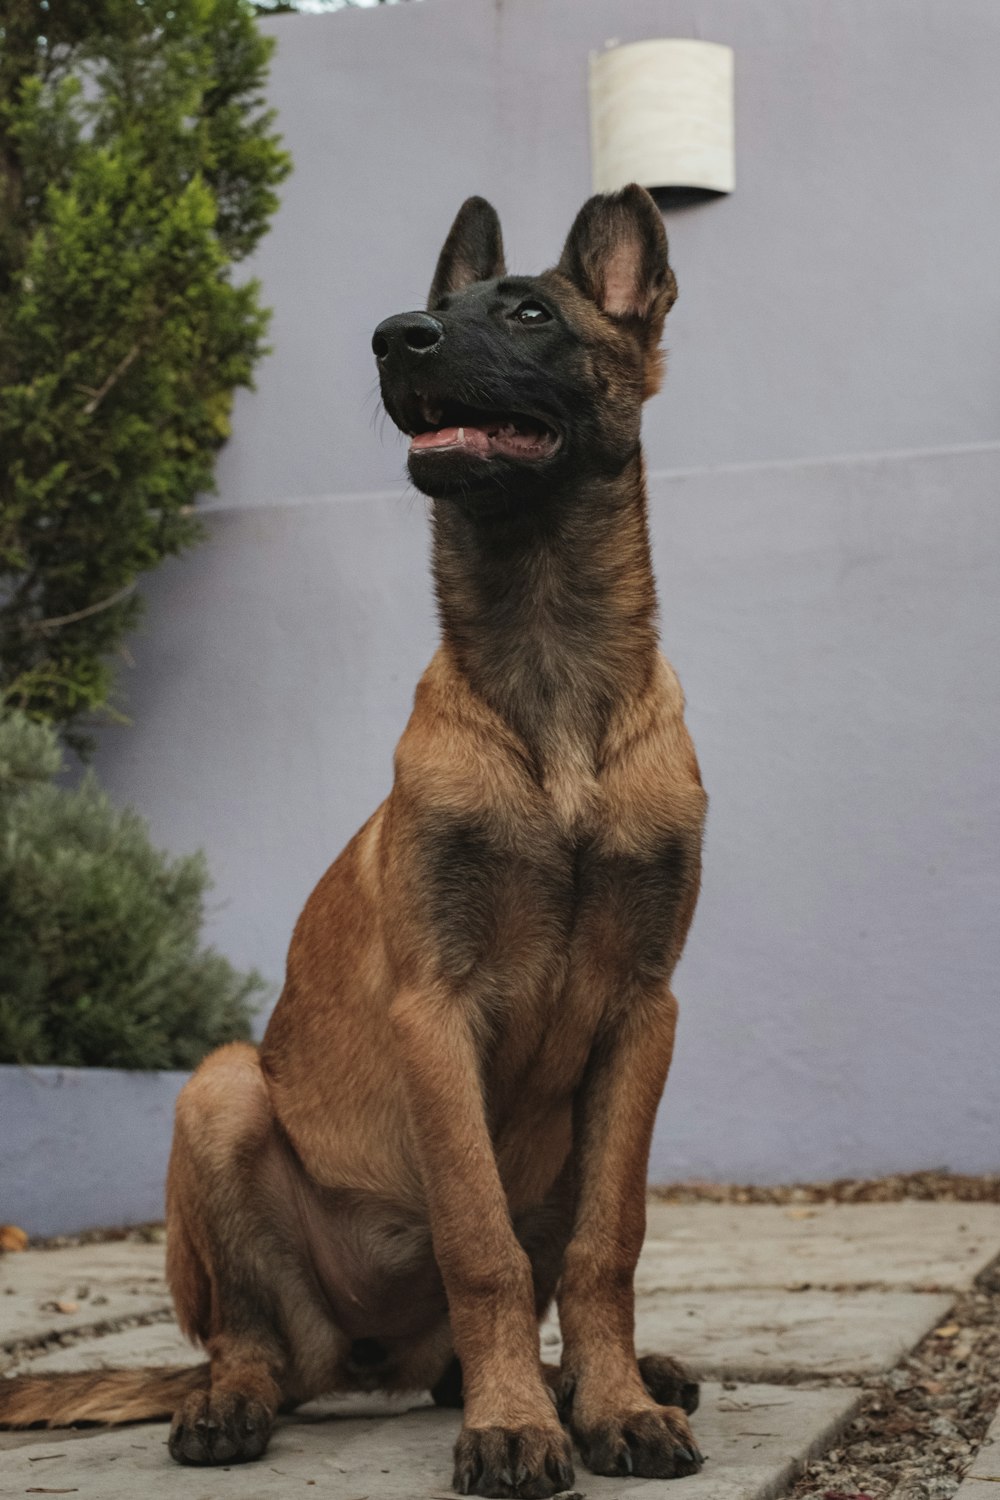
(545, 898)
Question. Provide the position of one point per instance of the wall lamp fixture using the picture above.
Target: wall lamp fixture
(661, 114)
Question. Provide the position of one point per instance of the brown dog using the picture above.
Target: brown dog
(448, 1120)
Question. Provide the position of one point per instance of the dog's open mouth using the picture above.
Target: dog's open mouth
(452, 428)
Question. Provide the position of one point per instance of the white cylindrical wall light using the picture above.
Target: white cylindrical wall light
(661, 114)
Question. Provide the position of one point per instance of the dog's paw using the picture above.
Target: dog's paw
(652, 1444)
(669, 1383)
(529, 1463)
(222, 1428)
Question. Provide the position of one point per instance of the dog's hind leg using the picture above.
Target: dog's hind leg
(231, 1258)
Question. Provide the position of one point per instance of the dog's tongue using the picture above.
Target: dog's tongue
(474, 438)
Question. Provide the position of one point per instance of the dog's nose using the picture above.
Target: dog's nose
(411, 333)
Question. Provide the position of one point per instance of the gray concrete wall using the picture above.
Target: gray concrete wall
(825, 465)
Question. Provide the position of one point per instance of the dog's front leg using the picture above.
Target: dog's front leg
(619, 1427)
(512, 1443)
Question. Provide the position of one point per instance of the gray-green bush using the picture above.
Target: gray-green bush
(100, 955)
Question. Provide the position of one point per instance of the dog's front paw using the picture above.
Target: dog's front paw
(224, 1428)
(653, 1443)
(529, 1463)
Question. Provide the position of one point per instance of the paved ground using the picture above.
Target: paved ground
(782, 1309)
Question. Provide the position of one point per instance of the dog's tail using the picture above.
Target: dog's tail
(63, 1398)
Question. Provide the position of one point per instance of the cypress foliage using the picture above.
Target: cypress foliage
(137, 168)
(100, 963)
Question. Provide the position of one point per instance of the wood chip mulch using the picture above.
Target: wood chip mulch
(927, 1187)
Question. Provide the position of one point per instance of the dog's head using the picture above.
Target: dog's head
(518, 385)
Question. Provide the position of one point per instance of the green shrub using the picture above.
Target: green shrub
(137, 167)
(100, 963)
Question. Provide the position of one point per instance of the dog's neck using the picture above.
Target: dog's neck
(548, 610)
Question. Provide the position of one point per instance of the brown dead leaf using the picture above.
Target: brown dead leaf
(801, 1213)
(947, 1331)
(12, 1237)
(66, 1307)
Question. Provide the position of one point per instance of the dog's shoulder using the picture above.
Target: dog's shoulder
(650, 777)
(456, 752)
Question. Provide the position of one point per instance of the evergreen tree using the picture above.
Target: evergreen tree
(137, 167)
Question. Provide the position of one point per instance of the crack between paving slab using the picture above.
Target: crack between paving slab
(35, 1345)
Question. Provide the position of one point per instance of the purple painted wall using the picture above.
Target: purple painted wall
(825, 465)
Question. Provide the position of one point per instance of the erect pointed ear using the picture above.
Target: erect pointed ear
(472, 252)
(616, 254)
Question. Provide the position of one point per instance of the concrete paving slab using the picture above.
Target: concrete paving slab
(708, 1246)
(756, 1438)
(779, 1335)
(95, 1283)
(985, 1469)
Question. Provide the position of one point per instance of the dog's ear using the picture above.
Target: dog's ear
(616, 254)
(472, 252)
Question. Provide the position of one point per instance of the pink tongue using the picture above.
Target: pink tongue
(473, 438)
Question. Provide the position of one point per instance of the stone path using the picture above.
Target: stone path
(780, 1309)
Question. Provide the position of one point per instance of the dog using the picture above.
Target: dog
(448, 1121)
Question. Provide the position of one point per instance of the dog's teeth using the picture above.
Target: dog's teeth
(461, 434)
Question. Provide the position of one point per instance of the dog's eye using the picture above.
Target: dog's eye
(532, 312)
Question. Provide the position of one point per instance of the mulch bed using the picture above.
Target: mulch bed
(920, 1426)
(927, 1187)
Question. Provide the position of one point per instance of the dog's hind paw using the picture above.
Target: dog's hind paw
(669, 1383)
(222, 1428)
